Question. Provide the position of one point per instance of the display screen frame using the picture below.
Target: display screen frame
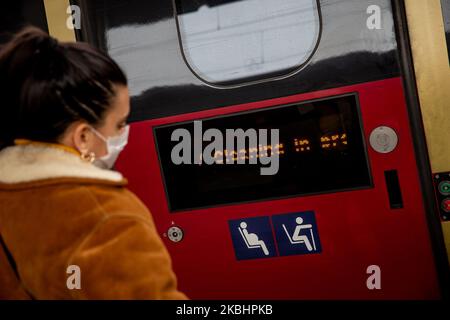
(364, 145)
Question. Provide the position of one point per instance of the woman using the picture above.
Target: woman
(69, 228)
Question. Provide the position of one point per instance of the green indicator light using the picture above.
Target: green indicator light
(444, 187)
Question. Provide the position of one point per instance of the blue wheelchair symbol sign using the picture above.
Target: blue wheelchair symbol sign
(252, 238)
(296, 233)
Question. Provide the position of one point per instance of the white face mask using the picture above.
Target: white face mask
(114, 145)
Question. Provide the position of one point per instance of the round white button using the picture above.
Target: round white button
(175, 234)
(383, 139)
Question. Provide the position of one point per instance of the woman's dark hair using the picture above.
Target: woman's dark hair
(46, 85)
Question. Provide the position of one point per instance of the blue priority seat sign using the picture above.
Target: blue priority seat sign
(296, 233)
(252, 238)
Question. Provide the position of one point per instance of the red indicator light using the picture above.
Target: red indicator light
(446, 205)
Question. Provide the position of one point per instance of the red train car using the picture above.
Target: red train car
(344, 214)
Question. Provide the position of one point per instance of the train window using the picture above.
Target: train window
(228, 42)
(321, 149)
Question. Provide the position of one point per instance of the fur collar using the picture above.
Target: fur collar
(27, 163)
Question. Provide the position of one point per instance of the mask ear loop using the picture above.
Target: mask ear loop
(98, 134)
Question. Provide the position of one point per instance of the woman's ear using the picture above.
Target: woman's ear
(80, 136)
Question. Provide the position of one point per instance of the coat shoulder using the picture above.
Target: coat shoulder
(116, 200)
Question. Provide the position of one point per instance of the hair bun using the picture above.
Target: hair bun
(46, 43)
(53, 43)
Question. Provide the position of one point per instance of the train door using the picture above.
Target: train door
(341, 215)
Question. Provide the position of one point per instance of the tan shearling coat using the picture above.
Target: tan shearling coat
(57, 211)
